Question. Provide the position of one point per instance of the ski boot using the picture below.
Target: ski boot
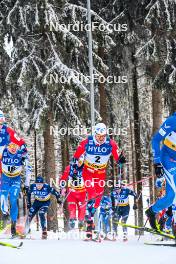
(13, 230)
(96, 236)
(90, 211)
(152, 219)
(115, 235)
(162, 222)
(71, 224)
(90, 229)
(174, 230)
(44, 233)
(5, 219)
(1, 225)
(108, 238)
(81, 225)
(125, 237)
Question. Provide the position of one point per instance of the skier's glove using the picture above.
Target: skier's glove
(59, 200)
(135, 206)
(23, 159)
(159, 171)
(25, 190)
(159, 183)
(122, 159)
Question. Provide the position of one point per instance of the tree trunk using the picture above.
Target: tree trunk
(50, 171)
(137, 141)
(104, 115)
(65, 162)
(102, 92)
(132, 151)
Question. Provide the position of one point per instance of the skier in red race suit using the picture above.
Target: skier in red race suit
(97, 149)
(76, 193)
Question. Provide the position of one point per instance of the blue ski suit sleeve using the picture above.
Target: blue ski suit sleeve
(166, 128)
(132, 193)
(54, 192)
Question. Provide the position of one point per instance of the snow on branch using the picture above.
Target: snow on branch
(83, 10)
(122, 14)
(166, 4)
(24, 67)
(52, 20)
(69, 73)
(12, 11)
(142, 49)
(162, 10)
(172, 76)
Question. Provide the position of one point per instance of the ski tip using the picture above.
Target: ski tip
(160, 244)
(20, 245)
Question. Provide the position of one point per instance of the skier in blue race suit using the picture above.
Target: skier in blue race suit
(8, 135)
(164, 164)
(105, 215)
(42, 195)
(12, 166)
(121, 206)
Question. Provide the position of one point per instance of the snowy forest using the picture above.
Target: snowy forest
(45, 95)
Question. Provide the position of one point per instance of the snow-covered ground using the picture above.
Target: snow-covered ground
(71, 249)
(74, 251)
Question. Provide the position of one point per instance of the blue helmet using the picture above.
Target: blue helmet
(39, 179)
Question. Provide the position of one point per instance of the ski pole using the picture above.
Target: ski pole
(115, 212)
(139, 196)
(52, 217)
(143, 180)
(140, 232)
(87, 200)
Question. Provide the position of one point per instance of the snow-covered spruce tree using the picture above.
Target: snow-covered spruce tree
(40, 55)
(4, 59)
(130, 96)
(160, 47)
(158, 50)
(103, 44)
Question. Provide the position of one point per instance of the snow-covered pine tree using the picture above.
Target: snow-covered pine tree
(160, 47)
(41, 58)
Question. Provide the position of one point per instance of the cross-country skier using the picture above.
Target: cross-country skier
(164, 164)
(121, 206)
(42, 194)
(105, 216)
(12, 165)
(8, 135)
(97, 149)
(76, 192)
